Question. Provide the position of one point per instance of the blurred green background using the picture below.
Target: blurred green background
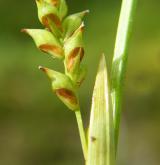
(35, 128)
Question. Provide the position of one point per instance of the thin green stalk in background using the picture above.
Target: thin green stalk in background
(120, 60)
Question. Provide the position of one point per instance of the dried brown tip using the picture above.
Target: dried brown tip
(86, 12)
(42, 69)
(24, 31)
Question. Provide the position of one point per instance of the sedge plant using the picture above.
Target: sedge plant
(62, 38)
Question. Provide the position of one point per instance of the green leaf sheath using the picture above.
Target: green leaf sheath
(101, 132)
(120, 59)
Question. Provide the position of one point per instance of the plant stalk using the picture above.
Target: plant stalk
(81, 133)
(120, 60)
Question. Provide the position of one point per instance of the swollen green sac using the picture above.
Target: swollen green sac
(62, 38)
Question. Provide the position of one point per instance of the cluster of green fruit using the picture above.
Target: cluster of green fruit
(62, 38)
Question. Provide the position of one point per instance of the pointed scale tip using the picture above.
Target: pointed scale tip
(81, 27)
(24, 30)
(83, 13)
(27, 31)
(42, 69)
(50, 73)
(87, 11)
(103, 57)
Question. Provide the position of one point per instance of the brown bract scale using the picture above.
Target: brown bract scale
(53, 18)
(52, 49)
(76, 51)
(67, 94)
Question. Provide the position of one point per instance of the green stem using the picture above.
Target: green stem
(120, 59)
(81, 133)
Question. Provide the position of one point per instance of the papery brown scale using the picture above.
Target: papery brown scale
(67, 94)
(76, 51)
(53, 18)
(51, 48)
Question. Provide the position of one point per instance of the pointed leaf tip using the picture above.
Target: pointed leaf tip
(87, 11)
(101, 138)
(102, 64)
